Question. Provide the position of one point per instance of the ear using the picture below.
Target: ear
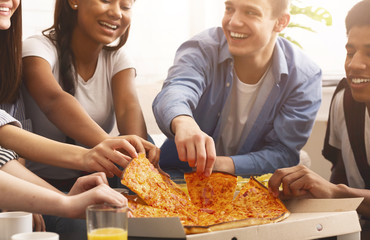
(282, 22)
(73, 4)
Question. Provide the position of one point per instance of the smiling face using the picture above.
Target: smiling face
(102, 21)
(250, 27)
(7, 8)
(357, 63)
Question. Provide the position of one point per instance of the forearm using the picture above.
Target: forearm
(266, 160)
(20, 195)
(39, 149)
(131, 122)
(16, 169)
(69, 116)
(343, 191)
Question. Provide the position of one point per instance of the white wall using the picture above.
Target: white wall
(160, 26)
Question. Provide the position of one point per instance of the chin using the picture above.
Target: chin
(361, 97)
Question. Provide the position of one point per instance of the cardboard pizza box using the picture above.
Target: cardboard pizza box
(309, 219)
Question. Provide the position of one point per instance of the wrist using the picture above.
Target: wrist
(341, 191)
(60, 206)
(224, 164)
(179, 121)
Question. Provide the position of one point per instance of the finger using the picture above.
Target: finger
(118, 158)
(137, 143)
(191, 154)
(201, 154)
(43, 223)
(109, 167)
(275, 182)
(281, 177)
(211, 157)
(131, 149)
(162, 172)
(181, 151)
(113, 197)
(93, 180)
(153, 152)
(101, 178)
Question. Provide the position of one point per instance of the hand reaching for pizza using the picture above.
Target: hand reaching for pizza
(193, 145)
(300, 181)
(142, 146)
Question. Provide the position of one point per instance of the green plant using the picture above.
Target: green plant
(315, 14)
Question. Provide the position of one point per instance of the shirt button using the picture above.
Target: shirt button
(227, 84)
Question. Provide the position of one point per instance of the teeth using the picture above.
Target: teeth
(4, 9)
(238, 35)
(109, 25)
(360, 80)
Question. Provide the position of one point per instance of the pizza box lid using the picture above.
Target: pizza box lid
(309, 219)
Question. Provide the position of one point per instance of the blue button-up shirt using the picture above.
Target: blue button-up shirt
(280, 121)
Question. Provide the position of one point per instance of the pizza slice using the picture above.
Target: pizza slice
(156, 189)
(213, 192)
(142, 210)
(255, 201)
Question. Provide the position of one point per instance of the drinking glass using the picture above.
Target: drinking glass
(106, 222)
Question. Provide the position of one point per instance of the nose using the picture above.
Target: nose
(115, 11)
(235, 19)
(357, 62)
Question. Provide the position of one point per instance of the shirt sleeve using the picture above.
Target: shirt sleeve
(121, 60)
(40, 46)
(5, 118)
(184, 86)
(6, 156)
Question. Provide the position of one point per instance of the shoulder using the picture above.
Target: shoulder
(118, 59)
(295, 59)
(39, 45)
(37, 41)
(210, 44)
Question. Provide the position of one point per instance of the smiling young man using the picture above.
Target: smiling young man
(347, 141)
(239, 98)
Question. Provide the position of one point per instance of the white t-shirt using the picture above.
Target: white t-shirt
(235, 114)
(339, 139)
(94, 95)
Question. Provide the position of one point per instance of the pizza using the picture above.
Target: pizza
(156, 189)
(211, 204)
(211, 192)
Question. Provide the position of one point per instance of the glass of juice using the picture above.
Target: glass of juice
(106, 222)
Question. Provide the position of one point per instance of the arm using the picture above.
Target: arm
(174, 106)
(60, 107)
(130, 119)
(299, 181)
(100, 158)
(193, 145)
(278, 144)
(20, 194)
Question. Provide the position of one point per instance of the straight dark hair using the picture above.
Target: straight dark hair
(65, 20)
(11, 59)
